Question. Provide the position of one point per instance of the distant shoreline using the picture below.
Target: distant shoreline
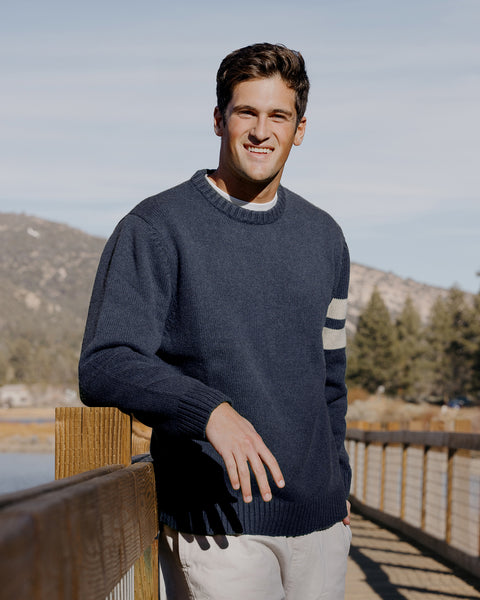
(27, 430)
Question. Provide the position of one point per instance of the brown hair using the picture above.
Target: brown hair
(260, 61)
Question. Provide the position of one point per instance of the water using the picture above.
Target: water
(19, 471)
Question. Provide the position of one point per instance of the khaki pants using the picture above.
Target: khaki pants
(254, 567)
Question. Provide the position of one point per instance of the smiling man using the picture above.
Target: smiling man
(218, 318)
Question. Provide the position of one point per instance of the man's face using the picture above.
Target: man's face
(257, 134)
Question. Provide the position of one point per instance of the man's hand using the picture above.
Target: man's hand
(237, 442)
(346, 520)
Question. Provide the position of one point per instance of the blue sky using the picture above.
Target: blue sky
(105, 103)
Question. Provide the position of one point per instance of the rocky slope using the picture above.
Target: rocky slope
(394, 291)
(46, 274)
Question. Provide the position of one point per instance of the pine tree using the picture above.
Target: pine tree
(372, 354)
(474, 342)
(410, 365)
(450, 345)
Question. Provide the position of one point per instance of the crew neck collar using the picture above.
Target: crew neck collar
(233, 211)
(260, 206)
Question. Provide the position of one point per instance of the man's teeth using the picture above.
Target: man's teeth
(260, 150)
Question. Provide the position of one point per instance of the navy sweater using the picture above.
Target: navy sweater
(198, 302)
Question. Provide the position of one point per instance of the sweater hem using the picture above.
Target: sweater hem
(275, 518)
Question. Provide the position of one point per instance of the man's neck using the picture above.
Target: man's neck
(259, 193)
(255, 206)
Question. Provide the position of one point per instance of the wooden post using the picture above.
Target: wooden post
(403, 500)
(424, 487)
(461, 500)
(448, 520)
(365, 426)
(141, 435)
(365, 471)
(88, 438)
(439, 425)
(382, 477)
(355, 469)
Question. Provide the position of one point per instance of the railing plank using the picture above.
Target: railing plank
(79, 540)
(458, 441)
(17, 566)
(54, 486)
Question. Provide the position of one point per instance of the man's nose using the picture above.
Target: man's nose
(260, 130)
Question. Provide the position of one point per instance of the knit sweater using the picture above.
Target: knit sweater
(198, 302)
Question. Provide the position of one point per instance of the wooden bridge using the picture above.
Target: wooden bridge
(91, 535)
(416, 525)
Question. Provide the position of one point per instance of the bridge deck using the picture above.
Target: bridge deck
(383, 565)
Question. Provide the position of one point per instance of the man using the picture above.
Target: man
(218, 318)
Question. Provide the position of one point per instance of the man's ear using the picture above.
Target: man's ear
(218, 122)
(299, 134)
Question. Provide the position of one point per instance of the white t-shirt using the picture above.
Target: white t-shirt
(259, 206)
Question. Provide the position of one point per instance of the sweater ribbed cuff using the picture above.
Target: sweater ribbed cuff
(195, 408)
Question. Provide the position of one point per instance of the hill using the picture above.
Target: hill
(46, 272)
(46, 275)
(394, 291)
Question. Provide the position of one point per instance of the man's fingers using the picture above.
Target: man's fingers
(346, 520)
(261, 477)
(232, 471)
(273, 466)
(244, 475)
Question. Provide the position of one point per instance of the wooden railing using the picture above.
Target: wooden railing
(92, 534)
(425, 484)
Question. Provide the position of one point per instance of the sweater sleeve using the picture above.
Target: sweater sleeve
(119, 363)
(334, 343)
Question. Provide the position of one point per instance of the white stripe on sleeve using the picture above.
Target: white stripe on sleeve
(337, 309)
(334, 339)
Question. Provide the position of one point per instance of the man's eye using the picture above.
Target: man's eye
(279, 117)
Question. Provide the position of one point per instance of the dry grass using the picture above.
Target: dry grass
(383, 410)
(27, 429)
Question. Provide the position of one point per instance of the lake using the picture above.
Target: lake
(23, 470)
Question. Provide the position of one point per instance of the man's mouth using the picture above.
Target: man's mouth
(258, 150)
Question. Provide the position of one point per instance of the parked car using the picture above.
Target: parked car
(459, 402)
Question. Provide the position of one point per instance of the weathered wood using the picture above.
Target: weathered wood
(403, 493)
(445, 439)
(448, 518)
(365, 471)
(382, 476)
(355, 469)
(78, 541)
(88, 438)
(17, 564)
(146, 574)
(54, 486)
(141, 435)
(423, 522)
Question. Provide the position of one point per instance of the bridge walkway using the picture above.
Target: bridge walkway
(383, 565)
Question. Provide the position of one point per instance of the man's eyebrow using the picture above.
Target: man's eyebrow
(283, 111)
(241, 107)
